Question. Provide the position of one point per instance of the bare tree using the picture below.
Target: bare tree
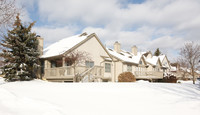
(190, 55)
(8, 11)
(75, 59)
(184, 66)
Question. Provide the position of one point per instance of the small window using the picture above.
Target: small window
(68, 63)
(56, 63)
(89, 64)
(107, 67)
(129, 68)
(140, 62)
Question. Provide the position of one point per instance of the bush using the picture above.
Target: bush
(126, 77)
(170, 79)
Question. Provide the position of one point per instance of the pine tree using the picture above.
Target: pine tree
(20, 53)
(157, 52)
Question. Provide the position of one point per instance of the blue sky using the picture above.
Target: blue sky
(149, 24)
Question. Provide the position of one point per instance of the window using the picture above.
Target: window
(68, 63)
(56, 63)
(129, 68)
(53, 64)
(89, 64)
(140, 62)
(107, 67)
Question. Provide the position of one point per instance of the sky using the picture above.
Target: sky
(148, 24)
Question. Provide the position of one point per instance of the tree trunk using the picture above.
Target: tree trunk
(193, 75)
(193, 80)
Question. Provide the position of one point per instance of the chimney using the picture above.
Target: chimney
(40, 44)
(117, 47)
(134, 50)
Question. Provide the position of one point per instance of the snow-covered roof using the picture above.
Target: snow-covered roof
(152, 60)
(161, 57)
(126, 56)
(63, 45)
(173, 68)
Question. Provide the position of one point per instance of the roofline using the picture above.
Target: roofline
(79, 44)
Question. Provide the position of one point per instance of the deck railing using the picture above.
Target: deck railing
(148, 74)
(68, 72)
(59, 71)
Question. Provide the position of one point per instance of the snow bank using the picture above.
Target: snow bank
(45, 98)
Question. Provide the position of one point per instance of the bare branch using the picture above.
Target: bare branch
(190, 56)
(8, 11)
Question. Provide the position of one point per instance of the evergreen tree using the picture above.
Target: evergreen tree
(20, 53)
(157, 52)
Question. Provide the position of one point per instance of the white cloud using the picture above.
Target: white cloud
(53, 34)
(154, 23)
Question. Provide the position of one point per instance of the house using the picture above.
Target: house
(100, 64)
(183, 72)
(142, 64)
(55, 67)
(165, 63)
(127, 61)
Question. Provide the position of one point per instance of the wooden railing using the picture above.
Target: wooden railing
(148, 74)
(68, 72)
(92, 73)
(59, 71)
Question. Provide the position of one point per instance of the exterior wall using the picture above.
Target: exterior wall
(118, 69)
(96, 51)
(158, 67)
(165, 63)
(150, 68)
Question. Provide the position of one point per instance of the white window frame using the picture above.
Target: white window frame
(129, 68)
(107, 67)
(89, 64)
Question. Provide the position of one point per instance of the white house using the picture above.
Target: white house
(57, 68)
(102, 64)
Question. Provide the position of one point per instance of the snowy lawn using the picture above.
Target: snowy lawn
(141, 98)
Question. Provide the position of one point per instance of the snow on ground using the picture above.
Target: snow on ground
(140, 98)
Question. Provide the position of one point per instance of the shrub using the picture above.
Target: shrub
(126, 77)
(170, 79)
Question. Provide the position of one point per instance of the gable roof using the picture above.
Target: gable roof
(153, 60)
(62, 46)
(126, 56)
(162, 57)
(66, 45)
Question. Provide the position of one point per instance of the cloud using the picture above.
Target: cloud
(53, 34)
(90, 12)
(153, 23)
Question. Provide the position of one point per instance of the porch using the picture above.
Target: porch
(67, 73)
(148, 75)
